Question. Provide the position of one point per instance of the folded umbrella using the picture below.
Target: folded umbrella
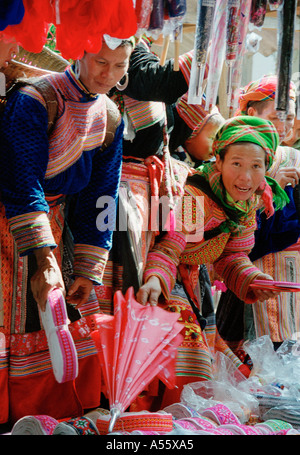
(135, 345)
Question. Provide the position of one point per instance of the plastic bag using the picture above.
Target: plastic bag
(224, 388)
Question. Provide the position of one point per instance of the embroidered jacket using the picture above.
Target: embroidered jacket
(70, 162)
(228, 251)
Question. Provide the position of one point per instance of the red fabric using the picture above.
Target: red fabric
(40, 393)
(4, 396)
(245, 370)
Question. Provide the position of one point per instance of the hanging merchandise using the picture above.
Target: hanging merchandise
(143, 9)
(176, 10)
(135, 345)
(275, 4)
(232, 30)
(217, 54)
(204, 25)
(157, 18)
(236, 71)
(285, 42)
(258, 12)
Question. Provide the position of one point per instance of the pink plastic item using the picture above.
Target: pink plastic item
(60, 342)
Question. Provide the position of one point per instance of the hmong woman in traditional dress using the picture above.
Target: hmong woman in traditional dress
(231, 190)
(38, 171)
(276, 249)
(191, 141)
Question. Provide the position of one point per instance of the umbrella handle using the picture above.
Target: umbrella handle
(164, 50)
(176, 58)
(115, 414)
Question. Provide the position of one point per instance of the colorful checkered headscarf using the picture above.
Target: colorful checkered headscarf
(261, 90)
(248, 129)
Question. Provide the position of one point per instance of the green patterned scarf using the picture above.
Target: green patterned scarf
(245, 129)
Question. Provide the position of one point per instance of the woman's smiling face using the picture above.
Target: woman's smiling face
(243, 169)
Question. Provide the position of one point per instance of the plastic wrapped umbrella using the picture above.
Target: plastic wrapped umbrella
(135, 345)
(176, 10)
(156, 24)
(143, 10)
(204, 25)
(217, 54)
(236, 72)
(258, 12)
(275, 4)
(285, 37)
(232, 36)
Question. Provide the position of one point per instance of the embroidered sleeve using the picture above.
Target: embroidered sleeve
(23, 162)
(31, 231)
(234, 264)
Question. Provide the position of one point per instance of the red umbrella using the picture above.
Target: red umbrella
(135, 345)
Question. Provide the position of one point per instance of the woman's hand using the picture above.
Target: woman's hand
(149, 292)
(79, 291)
(264, 294)
(287, 175)
(47, 277)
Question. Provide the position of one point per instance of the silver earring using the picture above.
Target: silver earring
(77, 69)
(122, 87)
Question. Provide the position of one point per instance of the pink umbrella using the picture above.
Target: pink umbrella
(135, 345)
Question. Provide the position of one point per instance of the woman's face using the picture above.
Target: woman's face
(270, 113)
(243, 169)
(100, 72)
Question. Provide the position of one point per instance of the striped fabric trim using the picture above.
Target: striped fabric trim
(33, 93)
(162, 265)
(4, 353)
(238, 273)
(41, 362)
(279, 317)
(185, 64)
(143, 113)
(31, 231)
(80, 124)
(194, 362)
(192, 114)
(90, 261)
